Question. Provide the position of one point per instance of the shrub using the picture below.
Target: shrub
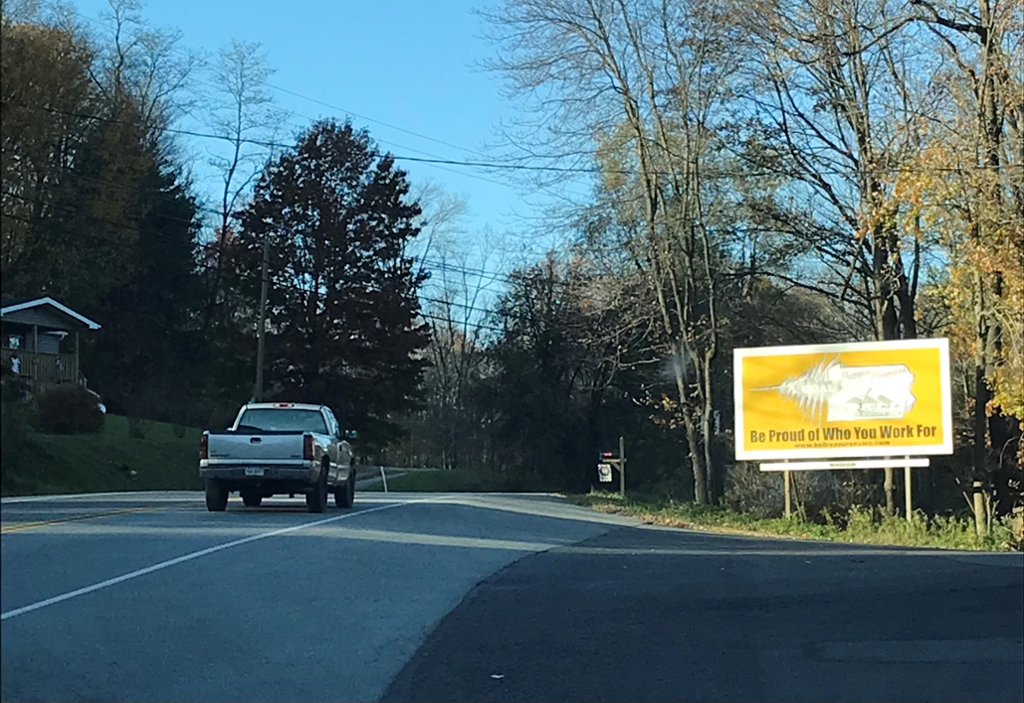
(13, 431)
(137, 427)
(68, 410)
(755, 492)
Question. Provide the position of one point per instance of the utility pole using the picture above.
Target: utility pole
(262, 330)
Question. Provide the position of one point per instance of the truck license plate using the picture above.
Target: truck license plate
(253, 471)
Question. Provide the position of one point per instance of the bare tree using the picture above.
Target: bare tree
(440, 221)
(461, 292)
(18, 11)
(242, 112)
(146, 68)
(831, 87)
(648, 75)
(831, 84)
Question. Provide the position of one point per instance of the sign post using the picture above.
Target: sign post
(857, 403)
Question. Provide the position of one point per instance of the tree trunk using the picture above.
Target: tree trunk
(700, 485)
(981, 398)
(890, 498)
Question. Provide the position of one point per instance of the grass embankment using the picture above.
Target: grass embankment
(453, 481)
(860, 526)
(106, 461)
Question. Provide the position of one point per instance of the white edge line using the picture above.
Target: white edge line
(189, 557)
(66, 496)
(171, 496)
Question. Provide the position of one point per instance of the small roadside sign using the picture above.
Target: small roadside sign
(604, 473)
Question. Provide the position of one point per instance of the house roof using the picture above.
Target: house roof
(16, 305)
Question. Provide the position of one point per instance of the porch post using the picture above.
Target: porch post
(35, 353)
(75, 379)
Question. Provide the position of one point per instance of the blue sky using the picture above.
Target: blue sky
(410, 64)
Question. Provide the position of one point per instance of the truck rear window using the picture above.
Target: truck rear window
(282, 420)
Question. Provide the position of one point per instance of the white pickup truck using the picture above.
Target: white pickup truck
(279, 448)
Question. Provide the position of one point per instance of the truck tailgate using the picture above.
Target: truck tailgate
(271, 447)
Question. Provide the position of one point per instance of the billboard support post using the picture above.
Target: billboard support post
(787, 481)
(979, 510)
(908, 493)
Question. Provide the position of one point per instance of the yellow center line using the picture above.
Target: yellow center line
(18, 527)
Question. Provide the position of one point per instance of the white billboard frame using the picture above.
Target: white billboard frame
(945, 448)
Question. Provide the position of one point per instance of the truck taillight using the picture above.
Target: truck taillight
(204, 447)
(307, 447)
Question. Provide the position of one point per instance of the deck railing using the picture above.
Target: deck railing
(40, 366)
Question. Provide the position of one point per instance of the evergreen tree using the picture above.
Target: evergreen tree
(343, 303)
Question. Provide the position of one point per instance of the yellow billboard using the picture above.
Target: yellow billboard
(869, 399)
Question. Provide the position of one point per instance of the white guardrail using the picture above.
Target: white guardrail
(398, 470)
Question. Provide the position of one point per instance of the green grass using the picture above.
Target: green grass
(454, 481)
(105, 461)
(859, 526)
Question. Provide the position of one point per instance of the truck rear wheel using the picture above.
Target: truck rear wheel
(345, 495)
(316, 500)
(216, 496)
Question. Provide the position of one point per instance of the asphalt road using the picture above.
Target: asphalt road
(410, 597)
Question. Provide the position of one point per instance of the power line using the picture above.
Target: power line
(363, 117)
(370, 119)
(202, 266)
(255, 277)
(434, 264)
(515, 276)
(161, 194)
(322, 103)
(168, 197)
(435, 161)
(438, 161)
(436, 164)
(471, 309)
(588, 170)
(207, 209)
(481, 274)
(380, 140)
